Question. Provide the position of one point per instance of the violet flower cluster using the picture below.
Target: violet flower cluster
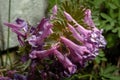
(91, 40)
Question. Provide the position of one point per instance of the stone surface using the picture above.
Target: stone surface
(30, 10)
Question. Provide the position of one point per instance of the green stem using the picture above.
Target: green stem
(91, 77)
(9, 17)
(87, 75)
(55, 1)
(8, 36)
(1, 59)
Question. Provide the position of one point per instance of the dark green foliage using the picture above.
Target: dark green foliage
(108, 73)
(101, 57)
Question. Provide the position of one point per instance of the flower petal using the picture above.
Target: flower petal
(88, 19)
(22, 23)
(66, 62)
(80, 49)
(75, 33)
(42, 53)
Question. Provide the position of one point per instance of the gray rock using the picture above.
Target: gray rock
(29, 10)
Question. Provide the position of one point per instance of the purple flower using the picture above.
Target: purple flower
(19, 77)
(79, 37)
(91, 39)
(20, 28)
(96, 38)
(80, 29)
(76, 57)
(47, 31)
(15, 28)
(88, 18)
(68, 16)
(80, 53)
(42, 31)
(81, 50)
(34, 36)
(75, 33)
(41, 25)
(22, 23)
(66, 62)
(54, 12)
(42, 53)
(32, 40)
(88, 45)
(21, 41)
(94, 35)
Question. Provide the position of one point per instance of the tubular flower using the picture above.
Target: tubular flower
(88, 18)
(41, 32)
(91, 39)
(66, 62)
(76, 58)
(42, 53)
(54, 12)
(80, 29)
(16, 28)
(75, 33)
(34, 36)
(81, 50)
(22, 23)
(20, 27)
(96, 35)
(93, 36)
(79, 37)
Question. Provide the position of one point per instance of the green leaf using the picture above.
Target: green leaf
(117, 3)
(115, 29)
(108, 27)
(108, 72)
(110, 69)
(104, 59)
(115, 78)
(101, 54)
(97, 59)
(112, 23)
(119, 33)
(102, 24)
(111, 40)
(105, 16)
(112, 5)
(25, 65)
(97, 3)
(119, 14)
(107, 76)
(104, 78)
